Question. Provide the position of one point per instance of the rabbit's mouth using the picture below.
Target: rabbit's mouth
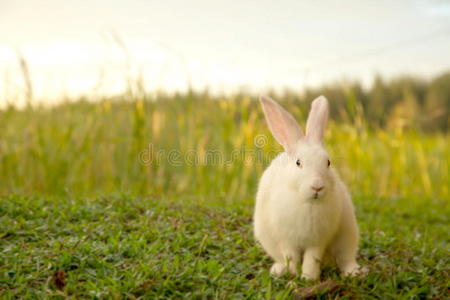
(317, 195)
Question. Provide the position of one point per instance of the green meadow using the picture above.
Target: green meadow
(151, 196)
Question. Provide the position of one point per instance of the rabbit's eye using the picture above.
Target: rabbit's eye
(329, 163)
(298, 163)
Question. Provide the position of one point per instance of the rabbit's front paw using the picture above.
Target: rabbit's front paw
(310, 276)
(278, 269)
(356, 270)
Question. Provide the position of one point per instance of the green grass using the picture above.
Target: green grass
(84, 149)
(79, 199)
(124, 246)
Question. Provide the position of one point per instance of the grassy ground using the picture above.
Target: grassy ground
(123, 246)
(123, 199)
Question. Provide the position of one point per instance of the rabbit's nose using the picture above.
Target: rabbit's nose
(317, 188)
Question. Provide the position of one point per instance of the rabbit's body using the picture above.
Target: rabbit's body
(292, 220)
(281, 214)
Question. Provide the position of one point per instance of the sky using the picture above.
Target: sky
(93, 47)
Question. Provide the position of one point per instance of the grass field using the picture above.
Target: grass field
(154, 199)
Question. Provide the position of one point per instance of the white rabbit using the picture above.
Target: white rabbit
(302, 207)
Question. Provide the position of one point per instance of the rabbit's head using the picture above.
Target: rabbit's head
(307, 168)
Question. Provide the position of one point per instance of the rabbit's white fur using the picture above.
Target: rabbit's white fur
(292, 219)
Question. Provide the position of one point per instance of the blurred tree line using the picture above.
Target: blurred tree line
(405, 102)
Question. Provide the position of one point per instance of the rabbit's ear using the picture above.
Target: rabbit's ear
(281, 123)
(317, 120)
